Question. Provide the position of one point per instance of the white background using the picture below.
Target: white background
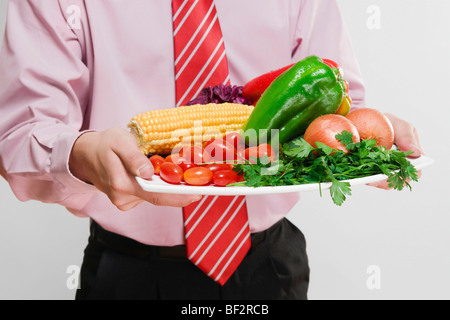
(405, 235)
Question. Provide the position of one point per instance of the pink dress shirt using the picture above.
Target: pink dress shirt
(69, 66)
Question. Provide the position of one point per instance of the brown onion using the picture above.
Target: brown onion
(325, 128)
(373, 124)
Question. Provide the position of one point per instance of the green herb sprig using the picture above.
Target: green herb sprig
(300, 163)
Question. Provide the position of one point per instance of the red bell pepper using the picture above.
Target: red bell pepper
(253, 90)
(333, 64)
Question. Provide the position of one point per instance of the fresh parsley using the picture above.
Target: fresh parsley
(300, 163)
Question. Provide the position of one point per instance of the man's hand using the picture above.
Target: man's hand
(111, 160)
(406, 138)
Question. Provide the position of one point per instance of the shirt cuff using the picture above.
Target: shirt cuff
(59, 166)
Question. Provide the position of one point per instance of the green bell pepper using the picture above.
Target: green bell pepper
(309, 89)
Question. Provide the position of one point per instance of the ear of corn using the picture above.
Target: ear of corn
(161, 131)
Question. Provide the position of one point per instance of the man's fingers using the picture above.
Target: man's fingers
(126, 193)
(137, 164)
(380, 185)
(171, 200)
(130, 205)
(134, 161)
(385, 185)
(112, 160)
(406, 136)
(408, 140)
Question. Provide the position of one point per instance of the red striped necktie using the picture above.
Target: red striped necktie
(216, 228)
(200, 58)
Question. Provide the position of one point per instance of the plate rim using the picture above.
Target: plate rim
(163, 187)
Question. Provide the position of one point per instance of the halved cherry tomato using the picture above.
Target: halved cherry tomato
(220, 150)
(195, 154)
(171, 172)
(223, 178)
(156, 161)
(214, 167)
(198, 176)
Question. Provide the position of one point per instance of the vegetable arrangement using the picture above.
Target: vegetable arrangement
(302, 163)
(304, 111)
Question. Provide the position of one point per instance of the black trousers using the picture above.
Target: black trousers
(118, 268)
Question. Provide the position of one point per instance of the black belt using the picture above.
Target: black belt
(131, 247)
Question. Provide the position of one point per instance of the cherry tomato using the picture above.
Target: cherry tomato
(214, 167)
(241, 149)
(223, 178)
(198, 176)
(251, 152)
(195, 154)
(240, 154)
(184, 161)
(173, 158)
(187, 165)
(266, 149)
(156, 161)
(259, 152)
(235, 139)
(171, 172)
(220, 150)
